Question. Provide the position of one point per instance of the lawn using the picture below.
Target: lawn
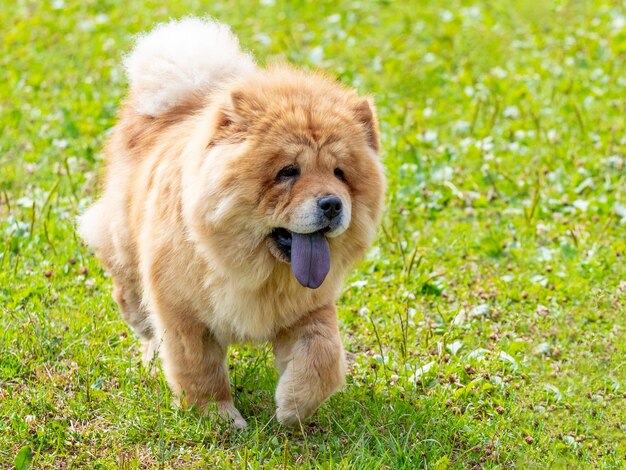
(486, 328)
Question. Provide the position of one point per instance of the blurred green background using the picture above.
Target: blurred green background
(486, 328)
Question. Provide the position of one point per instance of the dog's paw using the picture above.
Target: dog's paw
(289, 417)
(227, 411)
(293, 408)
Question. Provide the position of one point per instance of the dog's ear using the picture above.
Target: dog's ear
(365, 114)
(233, 118)
(246, 105)
(241, 110)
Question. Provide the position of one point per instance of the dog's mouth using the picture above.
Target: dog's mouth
(308, 253)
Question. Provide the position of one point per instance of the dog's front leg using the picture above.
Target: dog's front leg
(311, 363)
(195, 366)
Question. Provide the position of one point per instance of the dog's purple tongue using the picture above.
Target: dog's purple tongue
(310, 258)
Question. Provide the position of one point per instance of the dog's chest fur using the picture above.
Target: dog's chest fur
(179, 277)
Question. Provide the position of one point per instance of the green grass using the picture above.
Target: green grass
(486, 327)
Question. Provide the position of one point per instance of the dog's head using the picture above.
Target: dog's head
(291, 174)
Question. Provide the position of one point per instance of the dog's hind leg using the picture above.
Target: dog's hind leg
(136, 315)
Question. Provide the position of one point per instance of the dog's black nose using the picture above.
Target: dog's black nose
(330, 205)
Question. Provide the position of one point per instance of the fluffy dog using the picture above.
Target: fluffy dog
(235, 199)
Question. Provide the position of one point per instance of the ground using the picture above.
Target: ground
(486, 327)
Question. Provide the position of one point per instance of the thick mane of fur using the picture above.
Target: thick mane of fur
(180, 60)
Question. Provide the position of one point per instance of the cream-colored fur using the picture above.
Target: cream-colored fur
(191, 198)
(179, 58)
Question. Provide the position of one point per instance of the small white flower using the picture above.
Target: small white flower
(485, 144)
(499, 72)
(428, 136)
(429, 57)
(471, 12)
(513, 147)
(615, 161)
(466, 142)
(545, 254)
(461, 126)
(620, 209)
(60, 143)
(263, 38)
(101, 18)
(511, 112)
(316, 55)
(581, 205)
(618, 23)
(446, 16)
(443, 174)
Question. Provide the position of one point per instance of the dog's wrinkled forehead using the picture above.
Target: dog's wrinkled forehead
(314, 149)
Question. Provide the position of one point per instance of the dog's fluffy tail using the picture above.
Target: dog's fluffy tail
(181, 59)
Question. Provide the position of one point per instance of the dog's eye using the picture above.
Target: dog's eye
(339, 174)
(289, 172)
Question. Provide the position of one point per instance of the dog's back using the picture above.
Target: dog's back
(172, 72)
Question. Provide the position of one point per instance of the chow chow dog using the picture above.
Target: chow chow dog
(235, 199)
